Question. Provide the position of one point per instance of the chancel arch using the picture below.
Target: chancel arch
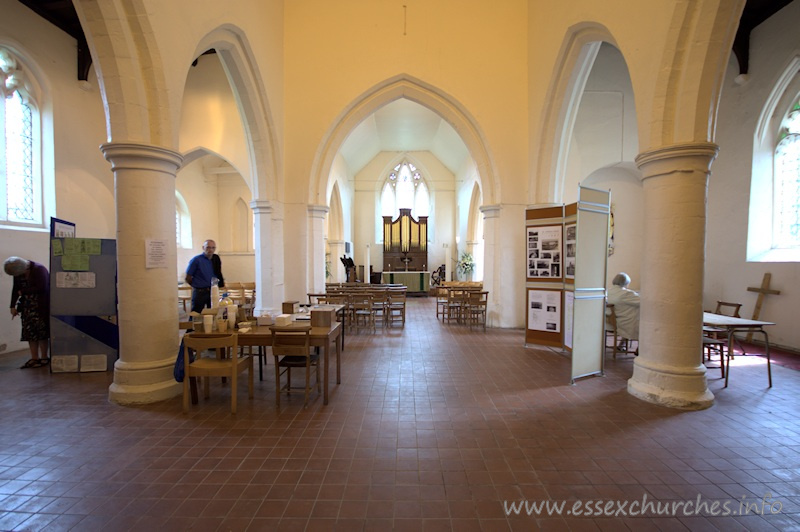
(402, 86)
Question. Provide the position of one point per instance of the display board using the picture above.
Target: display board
(83, 304)
(565, 264)
(544, 231)
(83, 277)
(591, 253)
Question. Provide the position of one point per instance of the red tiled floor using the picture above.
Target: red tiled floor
(432, 428)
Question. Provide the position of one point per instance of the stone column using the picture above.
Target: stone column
(144, 179)
(669, 369)
(316, 242)
(336, 249)
(262, 230)
(491, 225)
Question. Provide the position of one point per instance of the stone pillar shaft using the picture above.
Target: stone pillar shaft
(262, 222)
(669, 368)
(144, 179)
(316, 243)
(491, 245)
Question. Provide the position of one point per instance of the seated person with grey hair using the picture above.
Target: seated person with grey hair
(626, 306)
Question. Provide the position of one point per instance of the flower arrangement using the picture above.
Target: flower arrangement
(465, 264)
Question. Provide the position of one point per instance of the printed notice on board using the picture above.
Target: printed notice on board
(76, 280)
(82, 246)
(156, 251)
(544, 310)
(544, 251)
(63, 230)
(75, 262)
(569, 251)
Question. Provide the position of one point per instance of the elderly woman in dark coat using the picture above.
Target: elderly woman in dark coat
(30, 298)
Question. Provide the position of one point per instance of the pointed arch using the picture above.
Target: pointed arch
(691, 74)
(335, 215)
(551, 147)
(130, 72)
(240, 66)
(474, 215)
(403, 86)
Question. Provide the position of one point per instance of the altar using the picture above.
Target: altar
(417, 282)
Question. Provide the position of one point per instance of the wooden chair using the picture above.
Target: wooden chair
(475, 308)
(185, 295)
(397, 307)
(316, 299)
(226, 363)
(380, 306)
(456, 299)
(619, 344)
(249, 299)
(291, 349)
(363, 311)
(727, 309)
(441, 301)
(713, 345)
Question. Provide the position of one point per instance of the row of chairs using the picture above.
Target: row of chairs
(365, 307)
(291, 348)
(467, 305)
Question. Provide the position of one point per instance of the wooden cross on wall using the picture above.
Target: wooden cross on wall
(762, 291)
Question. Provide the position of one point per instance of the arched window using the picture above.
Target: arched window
(786, 192)
(773, 232)
(404, 188)
(183, 223)
(20, 165)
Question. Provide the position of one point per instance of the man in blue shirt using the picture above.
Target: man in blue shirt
(202, 268)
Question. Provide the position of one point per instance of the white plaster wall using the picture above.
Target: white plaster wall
(83, 183)
(627, 200)
(727, 274)
(605, 126)
(210, 118)
(201, 199)
(295, 251)
(368, 186)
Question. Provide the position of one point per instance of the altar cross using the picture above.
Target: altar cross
(762, 291)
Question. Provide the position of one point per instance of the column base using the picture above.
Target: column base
(674, 387)
(137, 383)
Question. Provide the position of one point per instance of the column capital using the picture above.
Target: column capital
(261, 206)
(491, 211)
(132, 156)
(318, 211)
(677, 158)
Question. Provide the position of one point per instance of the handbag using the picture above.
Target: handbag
(179, 371)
